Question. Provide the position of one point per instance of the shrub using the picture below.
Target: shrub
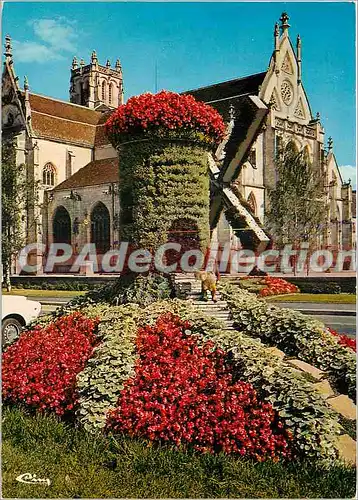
(296, 334)
(40, 368)
(185, 394)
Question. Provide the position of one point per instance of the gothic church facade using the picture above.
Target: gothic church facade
(64, 148)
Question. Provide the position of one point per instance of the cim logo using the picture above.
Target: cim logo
(28, 478)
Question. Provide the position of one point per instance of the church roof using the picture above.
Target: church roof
(94, 173)
(222, 95)
(62, 121)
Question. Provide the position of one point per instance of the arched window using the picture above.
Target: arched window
(110, 93)
(49, 175)
(62, 226)
(251, 200)
(291, 147)
(103, 90)
(100, 228)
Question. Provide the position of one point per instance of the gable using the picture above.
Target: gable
(12, 113)
(282, 88)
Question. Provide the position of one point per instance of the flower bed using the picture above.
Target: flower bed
(165, 114)
(267, 285)
(105, 371)
(344, 339)
(294, 333)
(185, 394)
(277, 286)
(40, 368)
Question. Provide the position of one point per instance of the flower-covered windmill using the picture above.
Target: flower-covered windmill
(225, 166)
(165, 142)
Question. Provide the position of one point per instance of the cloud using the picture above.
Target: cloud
(349, 172)
(59, 33)
(53, 38)
(34, 52)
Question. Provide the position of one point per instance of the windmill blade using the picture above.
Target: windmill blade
(252, 227)
(247, 126)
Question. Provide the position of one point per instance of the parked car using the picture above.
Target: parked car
(16, 312)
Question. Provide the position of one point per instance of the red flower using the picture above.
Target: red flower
(277, 286)
(344, 339)
(40, 368)
(163, 112)
(186, 394)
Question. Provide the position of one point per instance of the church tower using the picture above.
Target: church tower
(95, 86)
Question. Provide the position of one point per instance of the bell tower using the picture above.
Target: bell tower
(96, 86)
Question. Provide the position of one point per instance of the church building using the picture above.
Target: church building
(65, 150)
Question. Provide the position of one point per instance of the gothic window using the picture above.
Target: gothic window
(286, 92)
(252, 158)
(49, 175)
(100, 228)
(299, 111)
(278, 145)
(61, 226)
(251, 200)
(103, 90)
(110, 93)
(286, 65)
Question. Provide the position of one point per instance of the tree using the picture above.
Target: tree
(16, 194)
(296, 205)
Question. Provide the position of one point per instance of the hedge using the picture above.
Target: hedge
(295, 334)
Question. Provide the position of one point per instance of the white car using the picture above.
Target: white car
(16, 312)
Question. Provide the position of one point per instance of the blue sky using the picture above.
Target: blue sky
(192, 44)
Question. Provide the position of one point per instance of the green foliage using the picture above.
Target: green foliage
(80, 465)
(163, 182)
(295, 334)
(129, 288)
(312, 285)
(18, 195)
(100, 383)
(297, 209)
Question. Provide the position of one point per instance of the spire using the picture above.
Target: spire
(8, 48)
(108, 63)
(284, 22)
(74, 63)
(94, 59)
(330, 144)
(276, 35)
(26, 84)
(299, 60)
(118, 65)
(318, 116)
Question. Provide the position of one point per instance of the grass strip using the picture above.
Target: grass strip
(80, 465)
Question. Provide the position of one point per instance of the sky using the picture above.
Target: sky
(192, 45)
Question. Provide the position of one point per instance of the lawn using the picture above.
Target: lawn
(81, 466)
(326, 298)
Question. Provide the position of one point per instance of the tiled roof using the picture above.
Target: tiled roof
(101, 139)
(221, 95)
(239, 86)
(63, 109)
(94, 173)
(62, 121)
